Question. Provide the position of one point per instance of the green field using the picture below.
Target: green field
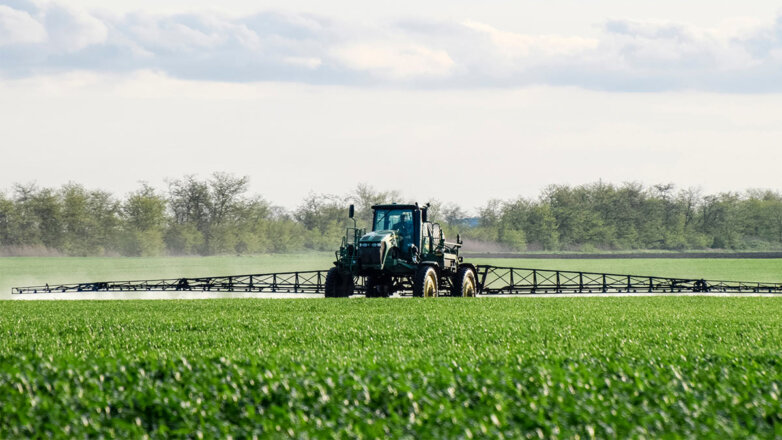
(512, 367)
(23, 271)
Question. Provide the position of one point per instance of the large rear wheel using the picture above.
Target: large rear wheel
(425, 282)
(338, 284)
(464, 283)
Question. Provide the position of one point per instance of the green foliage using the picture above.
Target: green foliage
(144, 220)
(324, 217)
(215, 216)
(184, 239)
(211, 208)
(37, 217)
(90, 220)
(7, 218)
(603, 216)
(145, 243)
(285, 235)
(518, 368)
(529, 222)
(515, 238)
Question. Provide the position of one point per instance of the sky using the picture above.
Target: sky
(459, 101)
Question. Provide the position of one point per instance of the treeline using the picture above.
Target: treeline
(216, 216)
(191, 217)
(631, 216)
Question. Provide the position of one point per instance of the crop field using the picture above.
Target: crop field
(449, 367)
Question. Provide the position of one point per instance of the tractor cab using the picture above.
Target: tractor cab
(404, 221)
(395, 238)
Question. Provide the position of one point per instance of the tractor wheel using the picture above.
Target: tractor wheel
(464, 283)
(378, 286)
(425, 282)
(338, 285)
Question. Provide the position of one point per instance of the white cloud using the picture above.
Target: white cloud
(309, 63)
(650, 45)
(626, 56)
(71, 30)
(19, 27)
(515, 45)
(396, 61)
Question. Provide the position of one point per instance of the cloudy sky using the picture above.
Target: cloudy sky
(456, 100)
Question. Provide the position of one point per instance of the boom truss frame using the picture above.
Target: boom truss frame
(492, 280)
(287, 282)
(495, 280)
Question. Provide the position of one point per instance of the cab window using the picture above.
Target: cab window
(396, 219)
(401, 220)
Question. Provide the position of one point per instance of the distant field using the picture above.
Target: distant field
(16, 271)
(717, 269)
(670, 367)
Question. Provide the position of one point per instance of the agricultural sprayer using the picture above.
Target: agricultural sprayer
(405, 253)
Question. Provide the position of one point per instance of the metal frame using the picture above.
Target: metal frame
(284, 282)
(492, 280)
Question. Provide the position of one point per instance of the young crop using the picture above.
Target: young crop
(522, 368)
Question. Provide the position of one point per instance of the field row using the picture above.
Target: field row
(593, 367)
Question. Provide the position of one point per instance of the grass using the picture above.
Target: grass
(522, 368)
